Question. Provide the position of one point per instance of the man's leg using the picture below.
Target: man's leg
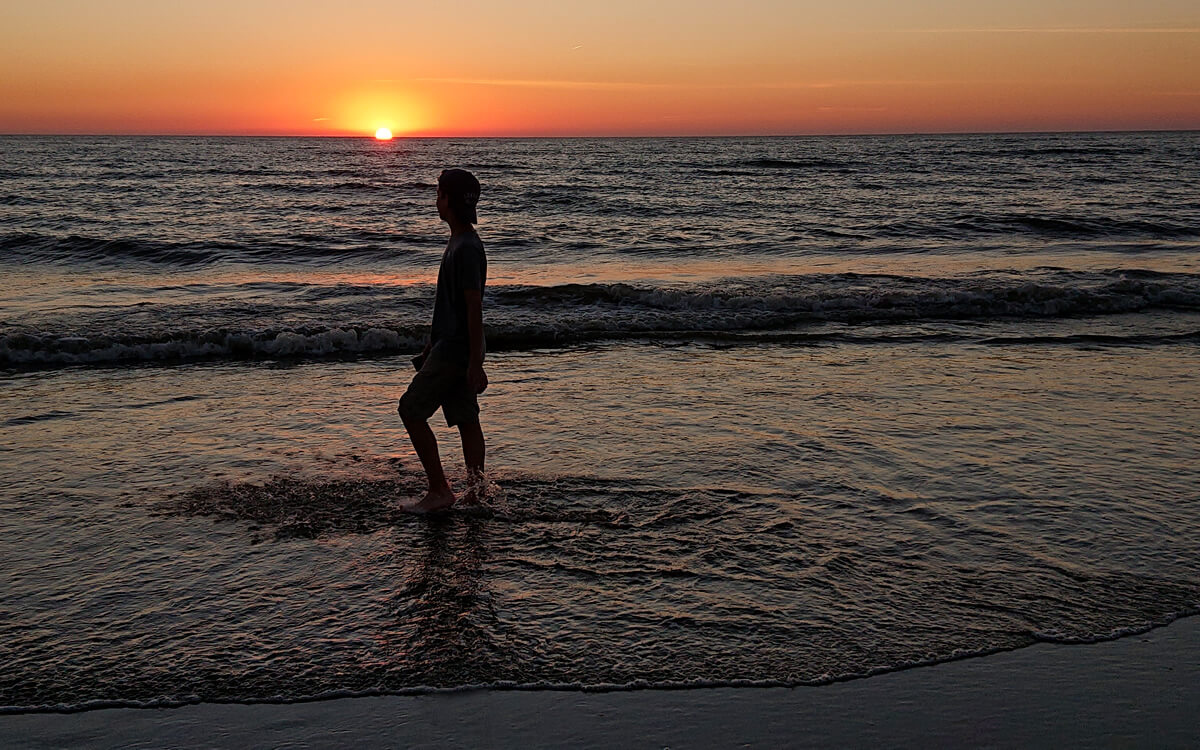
(425, 444)
(471, 435)
(416, 406)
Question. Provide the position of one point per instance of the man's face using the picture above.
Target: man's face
(443, 205)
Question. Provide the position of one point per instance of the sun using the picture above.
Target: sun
(383, 134)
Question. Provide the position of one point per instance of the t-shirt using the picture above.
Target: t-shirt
(464, 266)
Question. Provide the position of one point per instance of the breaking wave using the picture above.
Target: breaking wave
(782, 309)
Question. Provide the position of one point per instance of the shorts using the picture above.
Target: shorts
(441, 382)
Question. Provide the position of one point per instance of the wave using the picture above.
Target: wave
(942, 233)
(307, 186)
(1048, 225)
(860, 297)
(19, 200)
(181, 700)
(32, 418)
(821, 164)
(36, 247)
(39, 248)
(1078, 151)
(498, 166)
(436, 610)
(280, 693)
(33, 348)
(792, 310)
(1097, 339)
(315, 187)
(1008, 151)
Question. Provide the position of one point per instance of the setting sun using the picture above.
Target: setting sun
(383, 134)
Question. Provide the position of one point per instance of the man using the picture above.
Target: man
(450, 371)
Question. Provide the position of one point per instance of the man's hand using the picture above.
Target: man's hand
(477, 378)
(419, 361)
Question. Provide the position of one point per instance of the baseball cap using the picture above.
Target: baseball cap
(461, 187)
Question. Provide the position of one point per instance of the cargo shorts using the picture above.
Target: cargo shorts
(441, 382)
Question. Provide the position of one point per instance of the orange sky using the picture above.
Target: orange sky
(558, 67)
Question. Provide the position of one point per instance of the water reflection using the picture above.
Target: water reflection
(445, 604)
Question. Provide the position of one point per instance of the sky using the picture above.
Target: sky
(618, 67)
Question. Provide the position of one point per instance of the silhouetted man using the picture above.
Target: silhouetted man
(450, 371)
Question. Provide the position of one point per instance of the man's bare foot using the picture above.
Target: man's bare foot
(434, 500)
(476, 491)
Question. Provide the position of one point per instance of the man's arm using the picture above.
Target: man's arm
(475, 374)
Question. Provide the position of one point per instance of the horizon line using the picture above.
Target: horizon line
(397, 137)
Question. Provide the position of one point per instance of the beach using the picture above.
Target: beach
(599, 375)
(802, 442)
(1139, 691)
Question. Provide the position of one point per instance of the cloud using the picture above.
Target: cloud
(841, 84)
(1053, 30)
(631, 86)
(548, 84)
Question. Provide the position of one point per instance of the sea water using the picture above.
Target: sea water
(762, 410)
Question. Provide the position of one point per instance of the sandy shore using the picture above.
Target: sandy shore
(1140, 691)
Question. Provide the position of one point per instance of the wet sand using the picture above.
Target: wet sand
(1139, 691)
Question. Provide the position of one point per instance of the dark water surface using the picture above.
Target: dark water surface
(763, 411)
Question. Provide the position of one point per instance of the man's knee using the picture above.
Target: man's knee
(411, 412)
(469, 425)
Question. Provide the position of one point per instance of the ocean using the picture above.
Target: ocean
(763, 411)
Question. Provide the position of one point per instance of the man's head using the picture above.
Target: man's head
(458, 192)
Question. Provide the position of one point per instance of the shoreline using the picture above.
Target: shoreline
(1138, 690)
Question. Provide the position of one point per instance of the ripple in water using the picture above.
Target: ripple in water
(570, 581)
